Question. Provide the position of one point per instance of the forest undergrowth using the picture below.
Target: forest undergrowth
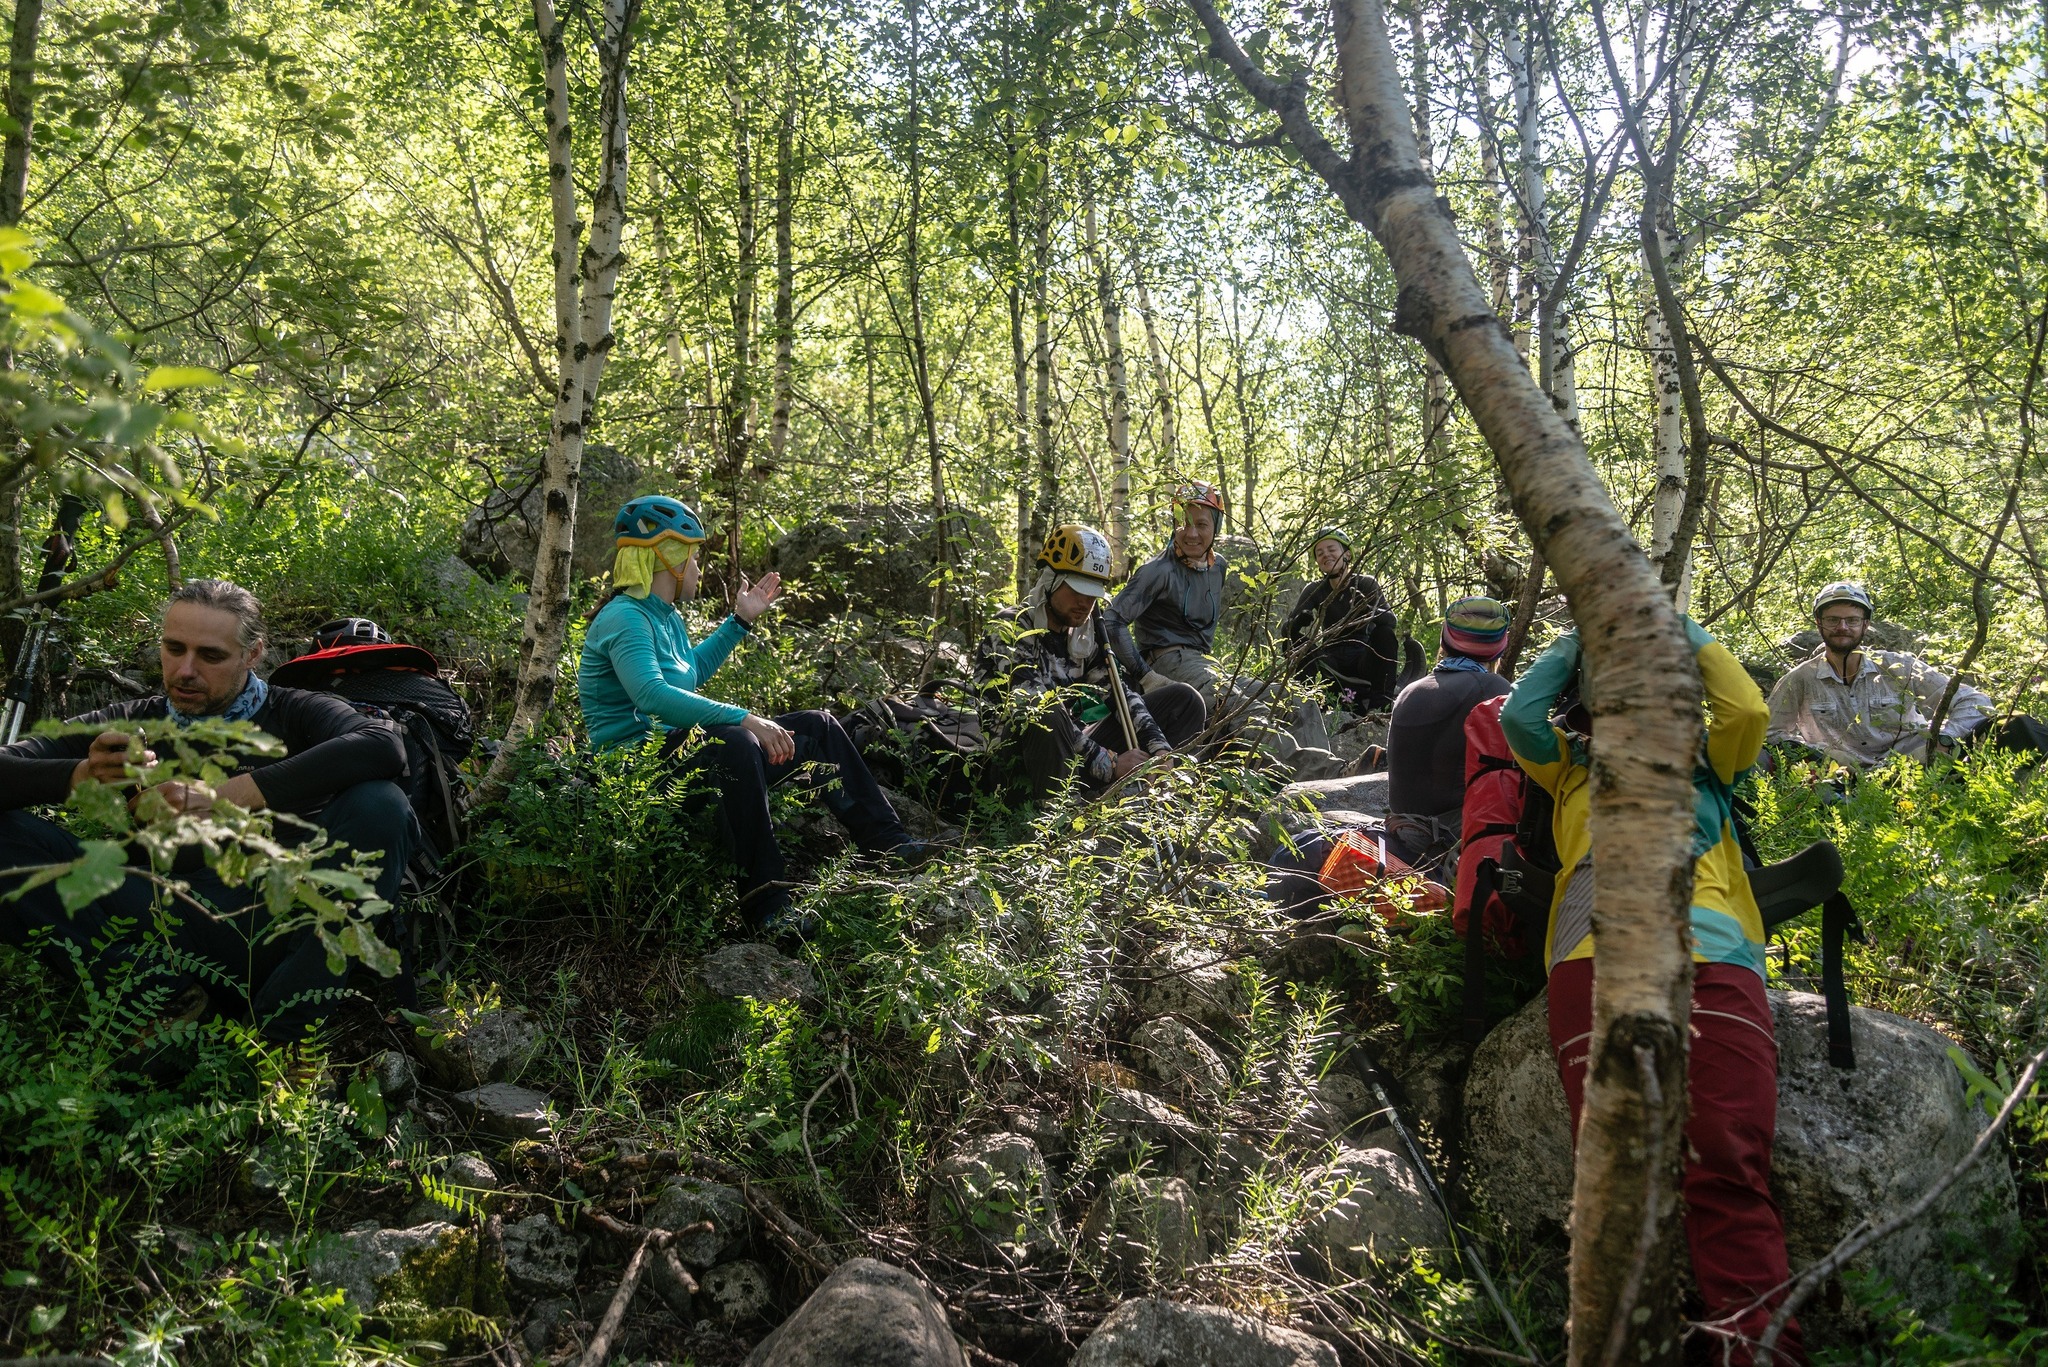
(172, 1218)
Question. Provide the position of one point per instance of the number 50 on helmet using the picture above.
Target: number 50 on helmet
(1078, 556)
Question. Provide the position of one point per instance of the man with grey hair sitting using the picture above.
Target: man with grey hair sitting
(338, 771)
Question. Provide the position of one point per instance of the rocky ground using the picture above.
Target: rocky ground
(1194, 1178)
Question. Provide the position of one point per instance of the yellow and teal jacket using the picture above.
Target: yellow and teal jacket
(1726, 927)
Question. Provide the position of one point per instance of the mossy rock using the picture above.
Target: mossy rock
(432, 1281)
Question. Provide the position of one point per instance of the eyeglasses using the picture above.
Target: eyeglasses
(1842, 621)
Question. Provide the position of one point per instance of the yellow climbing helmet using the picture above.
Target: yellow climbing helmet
(1078, 556)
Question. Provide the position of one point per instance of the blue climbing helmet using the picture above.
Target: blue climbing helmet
(644, 521)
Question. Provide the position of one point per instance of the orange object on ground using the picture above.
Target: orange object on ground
(1360, 865)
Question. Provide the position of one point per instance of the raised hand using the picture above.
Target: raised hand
(754, 598)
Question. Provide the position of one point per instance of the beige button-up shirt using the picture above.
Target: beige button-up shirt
(1883, 711)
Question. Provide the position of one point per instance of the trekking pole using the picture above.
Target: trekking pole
(1467, 1248)
(1116, 682)
(59, 554)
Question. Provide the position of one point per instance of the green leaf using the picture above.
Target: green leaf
(34, 300)
(181, 377)
(44, 1318)
(94, 874)
(366, 1099)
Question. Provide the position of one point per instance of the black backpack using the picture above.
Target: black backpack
(921, 741)
(402, 684)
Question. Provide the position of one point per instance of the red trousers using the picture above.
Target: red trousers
(1732, 1226)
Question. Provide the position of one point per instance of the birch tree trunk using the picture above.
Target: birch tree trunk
(739, 389)
(1667, 498)
(1047, 496)
(1020, 360)
(584, 286)
(1162, 378)
(1625, 1210)
(21, 109)
(913, 270)
(1118, 413)
(20, 106)
(685, 468)
(781, 382)
(1500, 267)
(1436, 386)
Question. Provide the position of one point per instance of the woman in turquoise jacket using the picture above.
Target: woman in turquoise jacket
(640, 672)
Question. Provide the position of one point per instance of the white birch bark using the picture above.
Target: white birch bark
(585, 283)
(1117, 413)
(1162, 377)
(1630, 1145)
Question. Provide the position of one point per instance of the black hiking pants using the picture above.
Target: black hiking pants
(284, 980)
(739, 767)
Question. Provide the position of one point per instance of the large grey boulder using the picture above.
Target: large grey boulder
(465, 1051)
(993, 1192)
(426, 1281)
(1375, 1211)
(875, 557)
(737, 1292)
(1340, 1101)
(686, 1201)
(1159, 1333)
(758, 971)
(1365, 793)
(1172, 1051)
(866, 1314)
(501, 537)
(1191, 981)
(1146, 1228)
(1851, 1144)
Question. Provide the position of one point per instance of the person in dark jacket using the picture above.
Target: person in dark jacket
(339, 771)
(1426, 734)
(1045, 671)
(1342, 627)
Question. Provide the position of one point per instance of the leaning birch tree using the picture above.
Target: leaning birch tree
(1625, 1209)
(585, 281)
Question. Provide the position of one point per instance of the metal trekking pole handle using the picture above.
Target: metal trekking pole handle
(1116, 682)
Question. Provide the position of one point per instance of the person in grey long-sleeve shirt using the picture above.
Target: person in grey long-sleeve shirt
(1163, 622)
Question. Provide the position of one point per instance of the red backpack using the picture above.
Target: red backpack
(1507, 858)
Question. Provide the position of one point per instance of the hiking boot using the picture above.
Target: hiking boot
(915, 854)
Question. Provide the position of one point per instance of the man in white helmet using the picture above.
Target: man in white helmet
(1860, 706)
(1045, 670)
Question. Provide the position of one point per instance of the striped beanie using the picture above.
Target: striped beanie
(1477, 627)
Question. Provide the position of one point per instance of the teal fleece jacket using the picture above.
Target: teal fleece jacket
(639, 672)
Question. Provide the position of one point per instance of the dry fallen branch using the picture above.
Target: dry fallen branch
(803, 1244)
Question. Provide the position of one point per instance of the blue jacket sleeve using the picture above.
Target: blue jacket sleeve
(1525, 716)
(638, 664)
(711, 652)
